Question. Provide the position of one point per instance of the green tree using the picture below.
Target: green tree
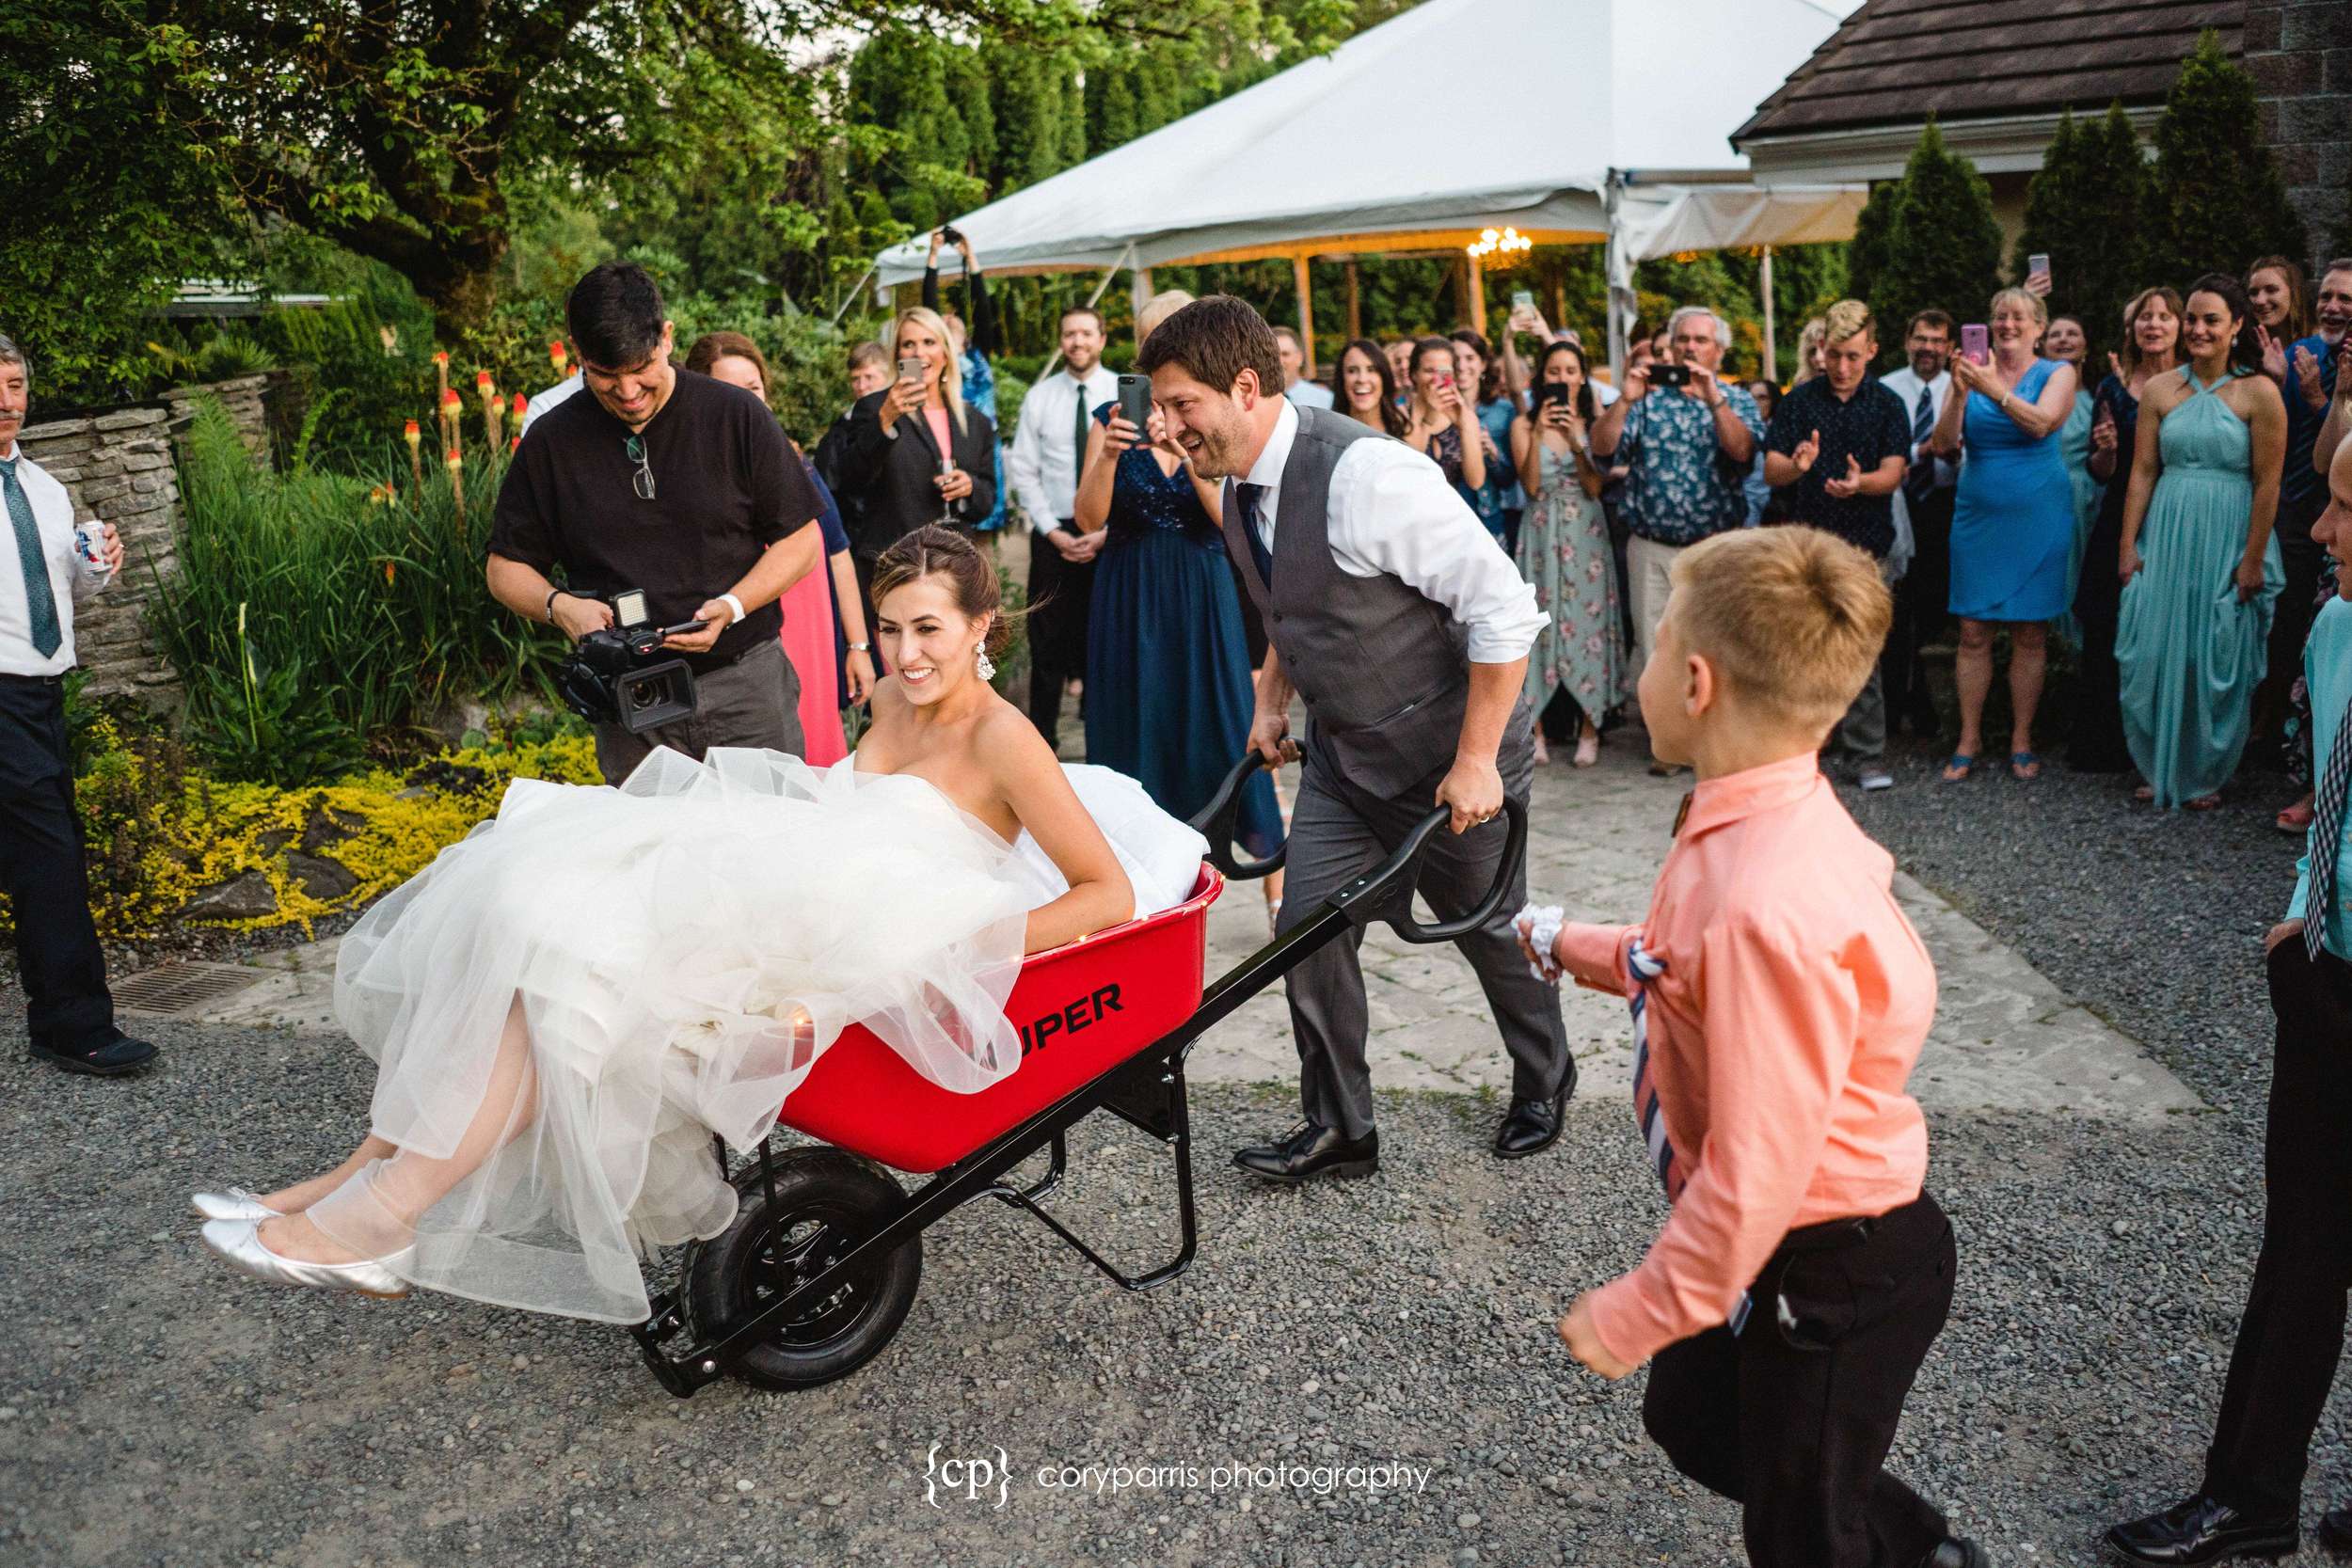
(107, 201)
(2218, 201)
(2086, 211)
(1943, 244)
(1873, 228)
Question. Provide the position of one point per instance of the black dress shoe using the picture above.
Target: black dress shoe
(1307, 1151)
(110, 1058)
(1957, 1552)
(2335, 1532)
(1531, 1125)
(2201, 1531)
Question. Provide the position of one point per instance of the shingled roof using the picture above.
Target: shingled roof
(1894, 62)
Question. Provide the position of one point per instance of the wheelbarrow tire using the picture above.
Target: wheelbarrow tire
(825, 1201)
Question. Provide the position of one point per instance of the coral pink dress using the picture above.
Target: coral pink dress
(808, 642)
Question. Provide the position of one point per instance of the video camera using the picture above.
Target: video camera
(613, 677)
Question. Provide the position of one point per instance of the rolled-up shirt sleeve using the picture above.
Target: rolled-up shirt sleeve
(1780, 1018)
(1394, 511)
(1594, 956)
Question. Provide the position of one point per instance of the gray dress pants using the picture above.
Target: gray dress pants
(1337, 833)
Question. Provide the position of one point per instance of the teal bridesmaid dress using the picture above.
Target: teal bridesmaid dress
(2189, 653)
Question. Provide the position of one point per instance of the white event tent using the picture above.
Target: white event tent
(1569, 121)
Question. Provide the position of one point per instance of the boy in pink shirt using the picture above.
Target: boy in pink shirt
(1779, 1000)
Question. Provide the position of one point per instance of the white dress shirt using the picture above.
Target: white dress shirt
(1390, 510)
(1042, 465)
(1905, 384)
(1309, 394)
(71, 578)
(545, 401)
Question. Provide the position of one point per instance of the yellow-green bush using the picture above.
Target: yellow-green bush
(160, 831)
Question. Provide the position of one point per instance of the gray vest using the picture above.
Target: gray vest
(1384, 670)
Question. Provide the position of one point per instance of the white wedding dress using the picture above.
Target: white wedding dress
(660, 938)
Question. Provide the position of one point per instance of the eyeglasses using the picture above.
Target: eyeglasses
(642, 480)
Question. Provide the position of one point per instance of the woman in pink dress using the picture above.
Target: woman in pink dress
(813, 605)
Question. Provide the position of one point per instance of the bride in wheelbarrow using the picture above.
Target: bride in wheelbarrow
(566, 1006)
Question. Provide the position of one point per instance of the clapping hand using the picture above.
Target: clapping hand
(2307, 378)
(2103, 432)
(2274, 357)
(1807, 452)
(1850, 487)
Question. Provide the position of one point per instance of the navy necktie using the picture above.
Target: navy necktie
(1921, 479)
(40, 598)
(1246, 496)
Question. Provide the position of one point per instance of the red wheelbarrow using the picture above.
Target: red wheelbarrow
(823, 1259)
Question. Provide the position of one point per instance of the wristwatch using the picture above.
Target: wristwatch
(553, 594)
(861, 647)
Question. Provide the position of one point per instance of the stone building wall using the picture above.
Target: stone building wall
(2300, 55)
(119, 467)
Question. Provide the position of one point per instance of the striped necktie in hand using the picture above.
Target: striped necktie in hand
(1644, 969)
(40, 596)
(2326, 840)
(1921, 479)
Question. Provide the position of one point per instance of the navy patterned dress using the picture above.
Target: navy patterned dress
(1169, 694)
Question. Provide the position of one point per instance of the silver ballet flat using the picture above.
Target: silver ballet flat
(240, 1242)
(233, 1204)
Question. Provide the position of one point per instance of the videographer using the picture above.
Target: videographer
(675, 485)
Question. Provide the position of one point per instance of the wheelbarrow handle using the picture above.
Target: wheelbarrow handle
(1216, 820)
(1395, 874)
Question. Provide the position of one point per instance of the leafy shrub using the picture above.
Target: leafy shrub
(314, 616)
(159, 828)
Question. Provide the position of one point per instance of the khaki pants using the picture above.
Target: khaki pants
(753, 702)
(1648, 565)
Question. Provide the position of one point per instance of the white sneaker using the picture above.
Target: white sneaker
(1876, 778)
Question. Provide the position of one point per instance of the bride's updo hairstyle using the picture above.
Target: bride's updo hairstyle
(942, 552)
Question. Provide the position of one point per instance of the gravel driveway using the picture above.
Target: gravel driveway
(1389, 1341)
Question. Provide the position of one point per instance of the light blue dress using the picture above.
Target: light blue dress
(2189, 653)
(2013, 519)
(2074, 450)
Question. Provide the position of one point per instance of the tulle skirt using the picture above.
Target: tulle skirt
(680, 951)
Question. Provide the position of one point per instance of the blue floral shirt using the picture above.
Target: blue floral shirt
(1682, 488)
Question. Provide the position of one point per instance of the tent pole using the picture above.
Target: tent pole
(1477, 321)
(1355, 303)
(845, 299)
(1764, 283)
(1616, 263)
(1302, 282)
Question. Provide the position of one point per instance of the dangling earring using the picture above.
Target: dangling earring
(985, 665)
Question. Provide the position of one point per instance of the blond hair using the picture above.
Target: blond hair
(1792, 618)
(950, 374)
(1158, 308)
(2033, 302)
(1848, 319)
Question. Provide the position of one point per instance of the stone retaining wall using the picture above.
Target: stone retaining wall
(118, 468)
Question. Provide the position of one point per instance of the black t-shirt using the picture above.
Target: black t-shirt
(726, 485)
(1872, 427)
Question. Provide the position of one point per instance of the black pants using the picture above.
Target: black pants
(2293, 1331)
(2292, 615)
(1922, 609)
(41, 872)
(2096, 734)
(1792, 1419)
(1061, 596)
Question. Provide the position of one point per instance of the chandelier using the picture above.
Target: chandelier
(1503, 244)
